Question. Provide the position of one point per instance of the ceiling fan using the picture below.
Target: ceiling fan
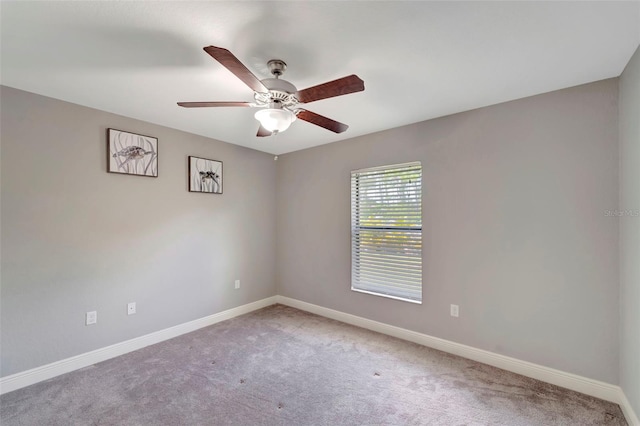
(279, 99)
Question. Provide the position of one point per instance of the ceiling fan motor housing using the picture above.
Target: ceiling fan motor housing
(280, 91)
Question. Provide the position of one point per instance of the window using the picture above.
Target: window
(386, 231)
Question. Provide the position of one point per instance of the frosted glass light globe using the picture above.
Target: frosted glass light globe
(275, 120)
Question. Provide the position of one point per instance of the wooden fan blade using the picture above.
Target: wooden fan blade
(339, 87)
(262, 132)
(214, 104)
(230, 62)
(321, 121)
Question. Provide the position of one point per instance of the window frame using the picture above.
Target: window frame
(383, 233)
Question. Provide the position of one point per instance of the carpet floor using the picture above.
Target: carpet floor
(282, 366)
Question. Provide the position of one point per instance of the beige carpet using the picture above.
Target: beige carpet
(282, 366)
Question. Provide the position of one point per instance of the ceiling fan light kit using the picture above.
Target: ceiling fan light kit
(275, 120)
(279, 98)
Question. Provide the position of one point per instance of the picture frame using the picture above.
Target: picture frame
(131, 153)
(205, 175)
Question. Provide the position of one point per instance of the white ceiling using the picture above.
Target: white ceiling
(419, 60)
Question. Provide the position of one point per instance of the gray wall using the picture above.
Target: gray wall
(514, 227)
(630, 231)
(75, 238)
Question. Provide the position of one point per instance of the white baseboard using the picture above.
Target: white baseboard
(574, 382)
(627, 409)
(45, 372)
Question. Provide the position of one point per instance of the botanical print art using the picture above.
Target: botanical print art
(132, 154)
(205, 175)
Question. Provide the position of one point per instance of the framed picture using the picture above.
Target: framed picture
(205, 175)
(131, 154)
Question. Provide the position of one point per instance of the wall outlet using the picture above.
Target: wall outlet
(455, 311)
(91, 318)
(131, 308)
(237, 284)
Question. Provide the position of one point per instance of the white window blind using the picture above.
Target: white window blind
(386, 231)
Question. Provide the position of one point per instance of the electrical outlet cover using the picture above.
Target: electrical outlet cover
(455, 311)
